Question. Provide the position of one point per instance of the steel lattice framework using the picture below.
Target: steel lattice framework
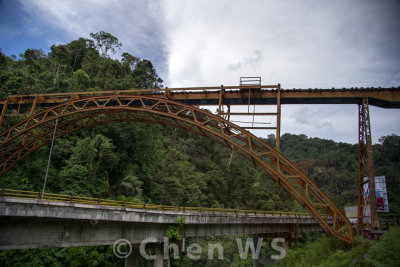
(365, 166)
(36, 130)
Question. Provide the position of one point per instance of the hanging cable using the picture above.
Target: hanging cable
(254, 111)
(254, 122)
(51, 151)
(230, 159)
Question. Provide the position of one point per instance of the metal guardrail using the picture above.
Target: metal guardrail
(21, 194)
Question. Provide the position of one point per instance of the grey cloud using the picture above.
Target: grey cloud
(247, 61)
(235, 66)
(303, 116)
(313, 117)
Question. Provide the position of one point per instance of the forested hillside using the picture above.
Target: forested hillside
(157, 164)
(81, 65)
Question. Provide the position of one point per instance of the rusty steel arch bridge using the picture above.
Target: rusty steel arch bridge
(28, 122)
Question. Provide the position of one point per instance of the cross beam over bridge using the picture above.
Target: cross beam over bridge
(15, 105)
(232, 95)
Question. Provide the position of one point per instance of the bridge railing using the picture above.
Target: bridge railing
(22, 194)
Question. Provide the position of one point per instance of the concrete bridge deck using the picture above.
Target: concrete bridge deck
(35, 223)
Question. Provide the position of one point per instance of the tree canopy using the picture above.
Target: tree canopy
(80, 65)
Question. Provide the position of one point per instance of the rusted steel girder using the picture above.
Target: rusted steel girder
(383, 97)
(33, 132)
(365, 167)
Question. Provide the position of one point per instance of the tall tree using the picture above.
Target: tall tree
(105, 42)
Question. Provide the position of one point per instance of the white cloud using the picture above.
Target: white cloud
(296, 43)
(316, 42)
(338, 122)
(301, 41)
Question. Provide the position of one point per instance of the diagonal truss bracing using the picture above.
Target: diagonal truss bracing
(35, 131)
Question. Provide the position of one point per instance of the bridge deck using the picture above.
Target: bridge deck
(15, 207)
(33, 223)
(8, 195)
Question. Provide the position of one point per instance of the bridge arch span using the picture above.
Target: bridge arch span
(35, 131)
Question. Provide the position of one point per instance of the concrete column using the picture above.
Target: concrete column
(255, 241)
(133, 259)
(159, 253)
(294, 236)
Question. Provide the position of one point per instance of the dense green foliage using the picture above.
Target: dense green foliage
(57, 257)
(81, 65)
(333, 166)
(157, 164)
(328, 251)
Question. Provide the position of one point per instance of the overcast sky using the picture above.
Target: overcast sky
(299, 44)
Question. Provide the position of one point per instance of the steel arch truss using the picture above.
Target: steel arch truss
(35, 131)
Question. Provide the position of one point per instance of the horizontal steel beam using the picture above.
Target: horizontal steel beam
(233, 95)
(249, 113)
(259, 128)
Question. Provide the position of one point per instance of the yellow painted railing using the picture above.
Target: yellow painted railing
(21, 194)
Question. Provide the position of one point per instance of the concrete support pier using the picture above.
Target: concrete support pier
(134, 258)
(161, 259)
